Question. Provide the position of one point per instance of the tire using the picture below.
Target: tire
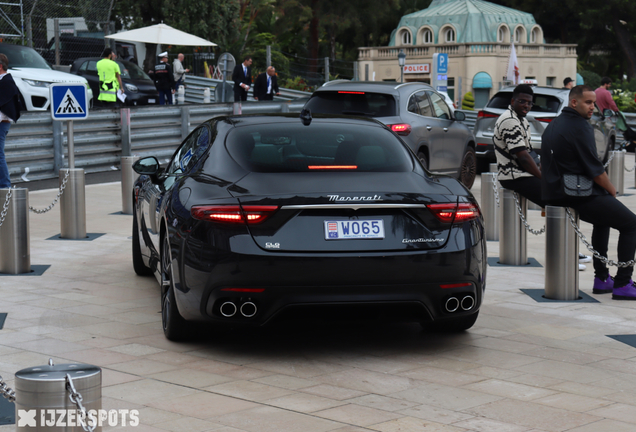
(423, 159)
(175, 328)
(452, 326)
(138, 262)
(468, 169)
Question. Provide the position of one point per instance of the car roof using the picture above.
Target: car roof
(371, 86)
(539, 90)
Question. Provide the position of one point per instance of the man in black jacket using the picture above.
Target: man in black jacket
(164, 79)
(568, 147)
(9, 112)
(242, 77)
(266, 85)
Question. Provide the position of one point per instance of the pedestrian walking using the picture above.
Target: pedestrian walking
(604, 98)
(568, 83)
(179, 71)
(164, 79)
(573, 176)
(266, 85)
(242, 77)
(109, 79)
(10, 106)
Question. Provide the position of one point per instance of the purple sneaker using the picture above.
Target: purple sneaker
(627, 292)
(603, 286)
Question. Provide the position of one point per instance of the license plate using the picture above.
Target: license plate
(151, 101)
(357, 229)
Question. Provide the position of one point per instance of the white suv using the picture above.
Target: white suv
(33, 76)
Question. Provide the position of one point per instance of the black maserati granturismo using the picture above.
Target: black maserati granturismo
(256, 218)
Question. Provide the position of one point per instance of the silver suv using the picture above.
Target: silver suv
(416, 112)
(548, 103)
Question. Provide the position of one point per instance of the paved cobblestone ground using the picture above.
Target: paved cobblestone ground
(524, 367)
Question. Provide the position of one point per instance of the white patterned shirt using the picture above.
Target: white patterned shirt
(512, 134)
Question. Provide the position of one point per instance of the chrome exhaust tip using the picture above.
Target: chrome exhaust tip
(248, 309)
(228, 309)
(452, 304)
(468, 302)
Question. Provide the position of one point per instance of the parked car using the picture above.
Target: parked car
(262, 217)
(33, 76)
(416, 112)
(138, 87)
(548, 103)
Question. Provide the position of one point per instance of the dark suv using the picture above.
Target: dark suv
(416, 112)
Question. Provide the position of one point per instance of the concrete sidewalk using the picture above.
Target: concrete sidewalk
(526, 366)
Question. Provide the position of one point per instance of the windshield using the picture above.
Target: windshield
(23, 57)
(317, 148)
(542, 103)
(131, 71)
(352, 103)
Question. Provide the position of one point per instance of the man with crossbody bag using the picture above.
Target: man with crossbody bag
(573, 176)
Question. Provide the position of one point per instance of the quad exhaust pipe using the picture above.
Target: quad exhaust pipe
(228, 309)
(453, 304)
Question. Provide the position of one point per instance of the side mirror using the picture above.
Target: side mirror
(460, 115)
(608, 112)
(146, 166)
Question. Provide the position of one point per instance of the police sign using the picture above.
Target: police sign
(68, 101)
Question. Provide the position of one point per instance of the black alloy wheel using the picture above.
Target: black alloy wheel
(174, 326)
(468, 169)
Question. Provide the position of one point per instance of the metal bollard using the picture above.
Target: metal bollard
(513, 246)
(616, 171)
(489, 205)
(561, 255)
(181, 95)
(15, 253)
(493, 167)
(73, 205)
(43, 389)
(128, 178)
(206, 95)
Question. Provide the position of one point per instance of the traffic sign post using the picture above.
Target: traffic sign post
(69, 102)
(439, 77)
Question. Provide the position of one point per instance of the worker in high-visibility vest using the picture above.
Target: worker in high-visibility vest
(109, 79)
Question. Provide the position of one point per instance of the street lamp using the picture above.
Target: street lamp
(401, 59)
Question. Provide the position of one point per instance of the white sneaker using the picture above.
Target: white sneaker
(582, 267)
(584, 258)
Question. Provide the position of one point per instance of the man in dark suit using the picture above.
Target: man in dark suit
(266, 85)
(242, 77)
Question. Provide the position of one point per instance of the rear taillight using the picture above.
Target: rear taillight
(232, 213)
(544, 119)
(484, 114)
(454, 212)
(401, 129)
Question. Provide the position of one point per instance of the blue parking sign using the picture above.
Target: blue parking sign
(68, 101)
(442, 63)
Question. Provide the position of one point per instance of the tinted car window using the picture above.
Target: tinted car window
(23, 57)
(131, 71)
(318, 148)
(542, 103)
(352, 103)
(420, 104)
(439, 106)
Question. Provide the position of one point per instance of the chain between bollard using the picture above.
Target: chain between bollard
(495, 188)
(611, 156)
(76, 399)
(59, 194)
(589, 247)
(6, 391)
(523, 219)
(5, 207)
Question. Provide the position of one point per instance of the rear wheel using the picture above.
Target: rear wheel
(468, 169)
(174, 326)
(423, 159)
(138, 262)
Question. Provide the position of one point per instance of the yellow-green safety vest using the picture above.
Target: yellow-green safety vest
(108, 83)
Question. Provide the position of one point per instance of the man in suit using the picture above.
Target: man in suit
(242, 77)
(266, 85)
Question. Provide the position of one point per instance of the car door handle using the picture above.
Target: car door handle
(428, 128)
(445, 129)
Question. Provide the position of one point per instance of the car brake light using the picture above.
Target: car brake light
(456, 285)
(544, 119)
(484, 114)
(455, 212)
(350, 92)
(232, 213)
(401, 129)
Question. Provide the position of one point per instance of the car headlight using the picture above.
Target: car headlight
(131, 88)
(35, 83)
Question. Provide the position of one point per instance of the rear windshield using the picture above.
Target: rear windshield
(542, 103)
(352, 103)
(317, 148)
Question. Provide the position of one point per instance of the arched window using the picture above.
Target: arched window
(427, 36)
(405, 37)
(501, 34)
(449, 35)
(519, 35)
(534, 36)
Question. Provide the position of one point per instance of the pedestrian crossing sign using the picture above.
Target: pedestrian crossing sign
(68, 101)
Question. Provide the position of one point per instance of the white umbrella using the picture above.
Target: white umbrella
(161, 34)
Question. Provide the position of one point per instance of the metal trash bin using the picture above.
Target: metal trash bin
(15, 253)
(513, 242)
(561, 255)
(489, 205)
(43, 389)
